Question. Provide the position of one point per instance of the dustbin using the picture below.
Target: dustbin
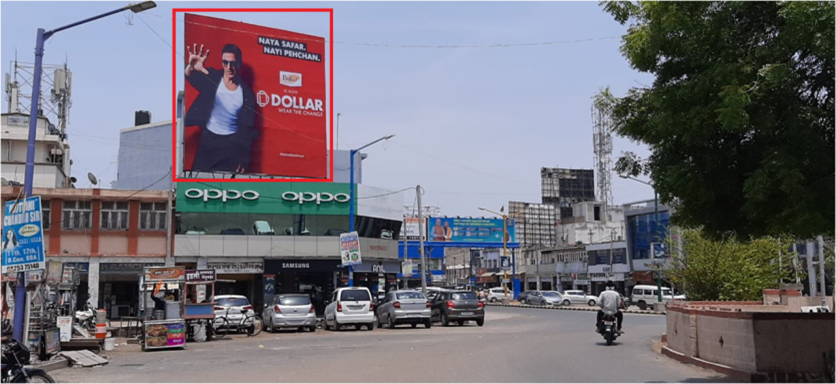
(159, 314)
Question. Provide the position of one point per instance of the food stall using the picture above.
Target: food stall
(200, 304)
(163, 329)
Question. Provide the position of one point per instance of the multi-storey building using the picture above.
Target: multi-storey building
(562, 188)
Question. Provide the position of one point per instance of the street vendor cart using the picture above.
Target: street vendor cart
(200, 304)
(163, 328)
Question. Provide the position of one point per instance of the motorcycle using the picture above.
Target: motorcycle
(608, 328)
(86, 318)
(15, 356)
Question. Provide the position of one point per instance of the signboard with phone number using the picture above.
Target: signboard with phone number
(23, 243)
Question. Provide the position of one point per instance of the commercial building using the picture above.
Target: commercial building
(642, 230)
(108, 235)
(608, 261)
(592, 223)
(52, 152)
(536, 224)
(267, 238)
(562, 188)
(145, 158)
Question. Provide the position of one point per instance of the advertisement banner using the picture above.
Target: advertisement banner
(269, 287)
(406, 269)
(470, 230)
(264, 198)
(165, 273)
(350, 248)
(410, 229)
(255, 99)
(23, 240)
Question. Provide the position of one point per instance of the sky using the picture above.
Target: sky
(473, 126)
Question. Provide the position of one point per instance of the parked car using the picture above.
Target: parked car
(350, 306)
(458, 306)
(579, 297)
(647, 295)
(404, 307)
(261, 227)
(498, 294)
(233, 231)
(236, 305)
(523, 296)
(293, 310)
(545, 298)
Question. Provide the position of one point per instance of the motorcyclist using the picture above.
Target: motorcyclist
(611, 303)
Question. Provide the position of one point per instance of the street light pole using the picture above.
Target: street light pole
(352, 201)
(655, 234)
(516, 287)
(34, 112)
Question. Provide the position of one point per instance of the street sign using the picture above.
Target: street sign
(350, 248)
(506, 281)
(406, 268)
(506, 263)
(23, 240)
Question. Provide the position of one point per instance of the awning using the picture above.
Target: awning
(488, 274)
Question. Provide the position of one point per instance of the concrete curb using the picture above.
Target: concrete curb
(54, 364)
(726, 370)
(588, 309)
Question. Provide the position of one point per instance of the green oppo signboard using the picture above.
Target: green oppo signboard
(265, 198)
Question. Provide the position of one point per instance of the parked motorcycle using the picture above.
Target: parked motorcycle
(86, 318)
(608, 328)
(14, 357)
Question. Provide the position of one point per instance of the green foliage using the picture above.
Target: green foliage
(728, 269)
(740, 118)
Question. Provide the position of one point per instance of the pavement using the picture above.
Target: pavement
(514, 345)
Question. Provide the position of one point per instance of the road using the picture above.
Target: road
(515, 345)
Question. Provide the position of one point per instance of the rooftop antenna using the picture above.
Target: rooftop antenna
(92, 178)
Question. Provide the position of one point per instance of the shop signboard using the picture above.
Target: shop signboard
(23, 240)
(124, 268)
(65, 325)
(283, 92)
(264, 198)
(350, 248)
(165, 273)
(470, 230)
(200, 275)
(237, 268)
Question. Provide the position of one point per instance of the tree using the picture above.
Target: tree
(728, 269)
(740, 117)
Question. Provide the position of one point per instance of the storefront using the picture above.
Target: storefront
(378, 276)
(118, 288)
(275, 238)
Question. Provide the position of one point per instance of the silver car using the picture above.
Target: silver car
(404, 307)
(290, 311)
(545, 298)
(579, 297)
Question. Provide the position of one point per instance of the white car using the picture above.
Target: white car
(646, 296)
(350, 306)
(233, 308)
(579, 297)
(498, 294)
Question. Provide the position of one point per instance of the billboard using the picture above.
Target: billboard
(410, 229)
(469, 230)
(255, 100)
(23, 239)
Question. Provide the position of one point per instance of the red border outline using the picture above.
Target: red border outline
(174, 91)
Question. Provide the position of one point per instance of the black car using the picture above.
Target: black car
(457, 306)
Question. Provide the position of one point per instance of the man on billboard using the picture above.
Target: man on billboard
(224, 110)
(438, 231)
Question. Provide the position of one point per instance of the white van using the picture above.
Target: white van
(647, 295)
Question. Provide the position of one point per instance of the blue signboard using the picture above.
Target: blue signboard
(469, 230)
(23, 240)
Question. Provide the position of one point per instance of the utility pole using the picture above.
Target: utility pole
(169, 261)
(537, 260)
(821, 271)
(421, 242)
(405, 250)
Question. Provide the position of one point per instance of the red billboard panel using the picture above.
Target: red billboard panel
(255, 100)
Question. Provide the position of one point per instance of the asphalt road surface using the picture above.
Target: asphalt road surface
(514, 345)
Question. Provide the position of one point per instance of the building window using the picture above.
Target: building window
(115, 215)
(45, 216)
(152, 216)
(77, 215)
